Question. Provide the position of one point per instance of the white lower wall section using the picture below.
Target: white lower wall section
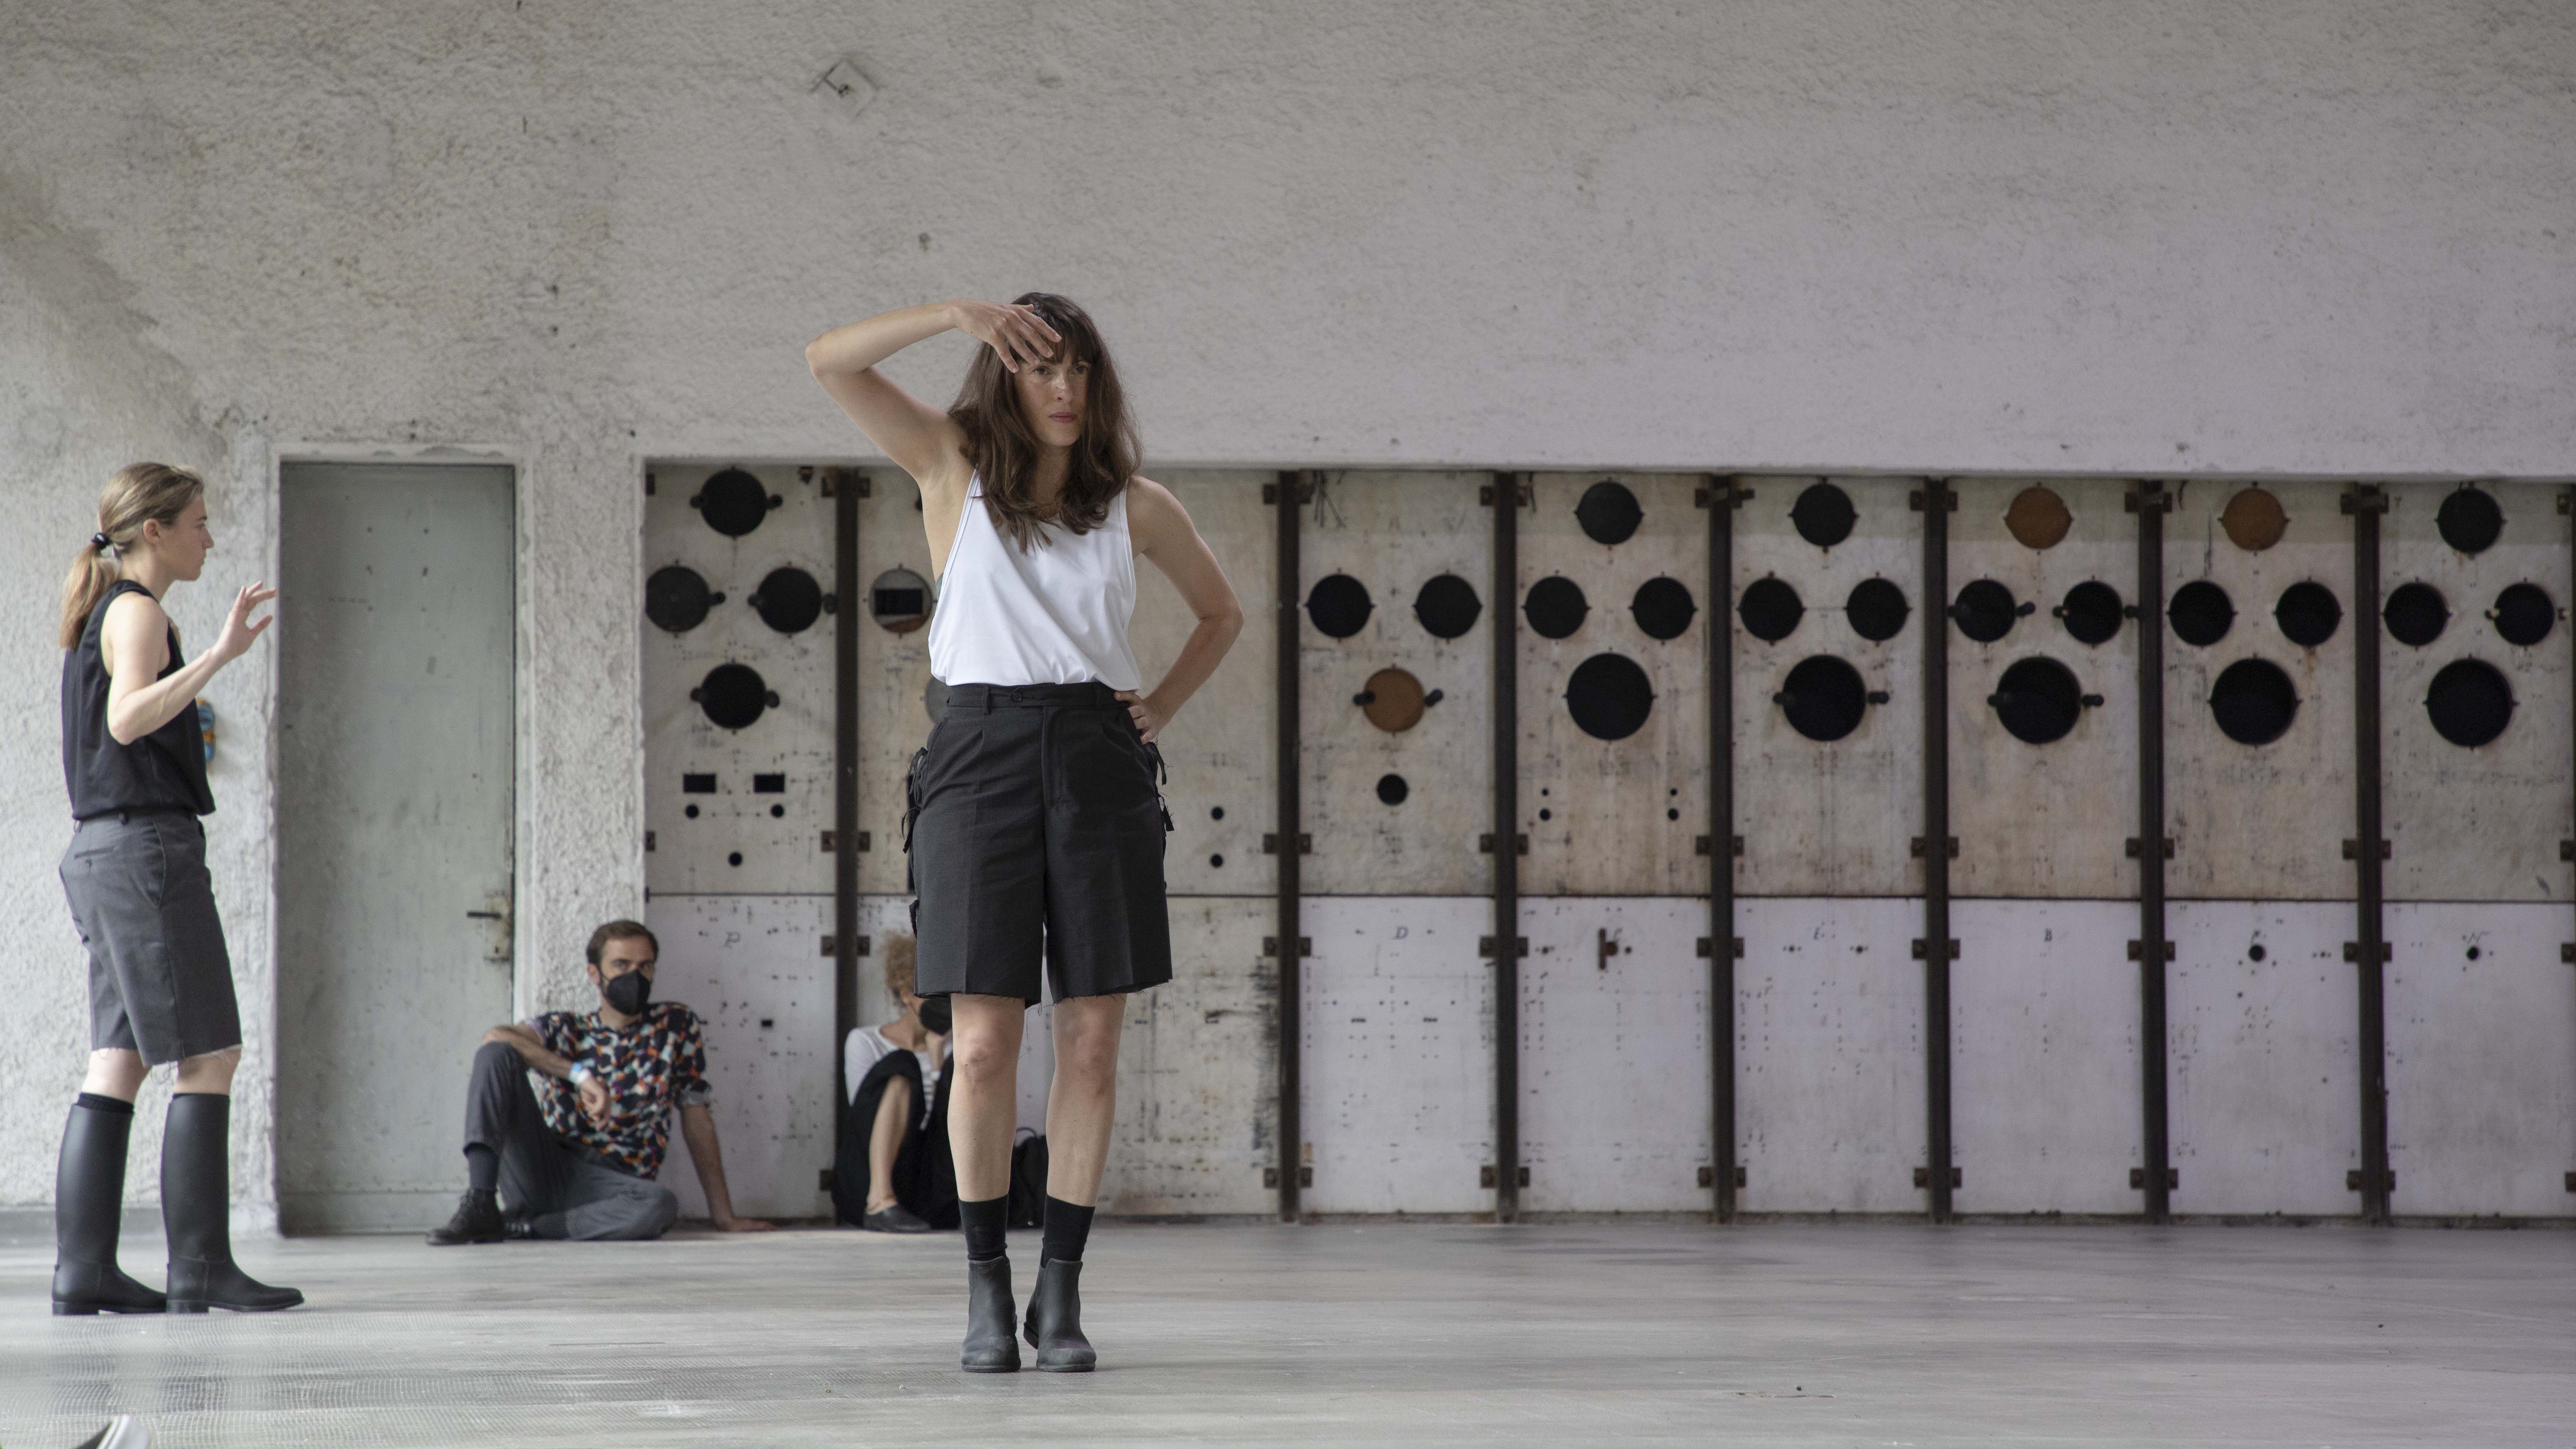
(1398, 1027)
(1198, 1070)
(1614, 1097)
(1829, 1054)
(753, 969)
(2481, 1059)
(2044, 1076)
(2260, 1010)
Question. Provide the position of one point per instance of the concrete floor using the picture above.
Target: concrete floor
(1412, 1335)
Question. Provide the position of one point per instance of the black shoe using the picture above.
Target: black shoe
(89, 1203)
(477, 1220)
(1054, 1324)
(519, 1230)
(990, 1347)
(196, 1213)
(895, 1218)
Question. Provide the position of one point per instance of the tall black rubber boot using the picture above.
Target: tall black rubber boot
(990, 1348)
(89, 1198)
(1055, 1319)
(196, 1212)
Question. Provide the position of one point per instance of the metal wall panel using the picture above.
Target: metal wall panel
(1614, 1030)
(1829, 818)
(1198, 1070)
(1615, 816)
(751, 968)
(894, 674)
(2260, 822)
(2481, 1059)
(1392, 533)
(741, 839)
(2476, 823)
(1399, 1049)
(1829, 1055)
(2044, 1060)
(2266, 1106)
(2044, 819)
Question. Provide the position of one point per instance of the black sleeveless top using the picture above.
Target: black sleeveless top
(165, 770)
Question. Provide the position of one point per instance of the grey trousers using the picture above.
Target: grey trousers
(160, 980)
(559, 1190)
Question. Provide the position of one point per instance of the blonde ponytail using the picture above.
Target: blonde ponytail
(140, 493)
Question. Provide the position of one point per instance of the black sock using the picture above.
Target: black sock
(985, 1228)
(97, 1103)
(1067, 1228)
(482, 1167)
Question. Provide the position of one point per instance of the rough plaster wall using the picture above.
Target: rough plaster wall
(2323, 237)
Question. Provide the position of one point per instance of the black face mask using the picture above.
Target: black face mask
(934, 1015)
(628, 993)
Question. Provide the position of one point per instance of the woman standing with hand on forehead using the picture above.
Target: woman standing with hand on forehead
(160, 980)
(1035, 828)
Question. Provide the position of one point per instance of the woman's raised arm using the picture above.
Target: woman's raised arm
(917, 436)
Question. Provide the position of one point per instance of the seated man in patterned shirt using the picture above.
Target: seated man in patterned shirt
(578, 1159)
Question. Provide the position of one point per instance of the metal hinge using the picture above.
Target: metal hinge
(1270, 945)
(2354, 1179)
(832, 946)
(1737, 942)
(2352, 849)
(2352, 951)
(1485, 947)
(832, 840)
(1270, 1177)
(1485, 495)
(2138, 1179)
(1485, 844)
(1949, 498)
(1951, 955)
(1699, 844)
(1485, 1175)
(1732, 494)
(1708, 1176)
(1916, 846)
(2134, 951)
(2137, 844)
(1305, 843)
(2365, 498)
(1923, 1177)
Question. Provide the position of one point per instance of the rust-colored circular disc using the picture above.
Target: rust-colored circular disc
(1396, 702)
(2038, 518)
(2254, 520)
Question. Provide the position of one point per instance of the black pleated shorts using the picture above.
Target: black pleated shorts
(1035, 832)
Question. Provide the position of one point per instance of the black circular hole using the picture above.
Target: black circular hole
(1672, 815)
(1663, 608)
(1985, 611)
(734, 859)
(2253, 701)
(1448, 606)
(1555, 607)
(733, 695)
(2308, 614)
(1338, 605)
(2201, 613)
(2473, 953)
(1823, 514)
(1877, 610)
(2255, 951)
(2416, 614)
(1546, 815)
(2470, 702)
(788, 600)
(2524, 615)
(1216, 812)
(2037, 700)
(1391, 789)
(2091, 612)
(1609, 696)
(777, 812)
(1608, 512)
(1770, 610)
(733, 503)
(691, 812)
(2470, 520)
(676, 598)
(1217, 861)
(1823, 698)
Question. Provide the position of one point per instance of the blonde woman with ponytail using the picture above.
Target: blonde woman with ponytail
(160, 980)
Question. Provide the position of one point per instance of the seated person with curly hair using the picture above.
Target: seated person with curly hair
(576, 1157)
(893, 1174)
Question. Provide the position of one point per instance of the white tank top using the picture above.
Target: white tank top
(1051, 615)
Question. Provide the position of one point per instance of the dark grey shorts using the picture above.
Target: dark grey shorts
(1036, 831)
(160, 980)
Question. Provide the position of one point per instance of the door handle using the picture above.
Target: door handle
(484, 916)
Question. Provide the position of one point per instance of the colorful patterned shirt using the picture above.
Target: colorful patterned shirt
(649, 1068)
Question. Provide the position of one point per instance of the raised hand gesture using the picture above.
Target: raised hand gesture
(240, 630)
(1018, 333)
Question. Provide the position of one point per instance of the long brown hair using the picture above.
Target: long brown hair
(140, 493)
(1004, 449)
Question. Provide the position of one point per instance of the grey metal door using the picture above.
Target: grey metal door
(396, 714)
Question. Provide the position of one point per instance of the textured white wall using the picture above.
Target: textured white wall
(2320, 238)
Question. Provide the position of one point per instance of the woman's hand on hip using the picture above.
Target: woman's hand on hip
(1149, 717)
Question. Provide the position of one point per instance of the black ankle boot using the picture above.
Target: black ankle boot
(89, 1200)
(990, 1347)
(196, 1212)
(1055, 1319)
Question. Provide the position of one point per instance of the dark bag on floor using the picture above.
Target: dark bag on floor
(1028, 1182)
